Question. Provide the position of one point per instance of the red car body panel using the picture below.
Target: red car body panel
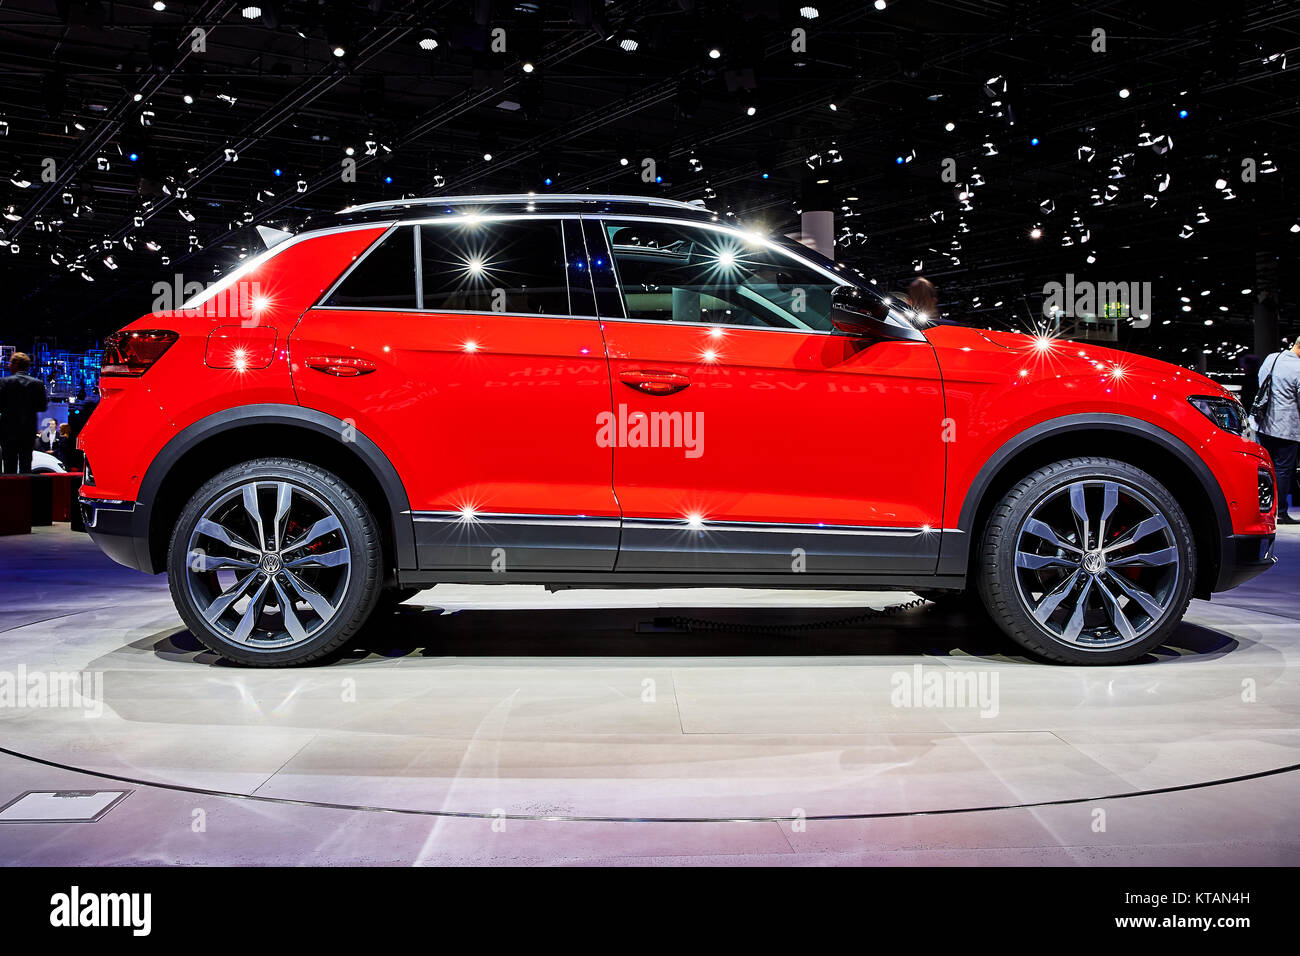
(797, 428)
(183, 387)
(479, 413)
(998, 385)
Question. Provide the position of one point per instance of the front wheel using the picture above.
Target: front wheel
(1088, 561)
(275, 562)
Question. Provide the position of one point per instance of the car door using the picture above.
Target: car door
(460, 347)
(748, 435)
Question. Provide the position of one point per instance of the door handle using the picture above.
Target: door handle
(344, 366)
(653, 381)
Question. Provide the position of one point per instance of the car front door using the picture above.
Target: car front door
(460, 347)
(748, 435)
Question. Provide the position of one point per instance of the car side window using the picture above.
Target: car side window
(672, 272)
(384, 278)
(494, 266)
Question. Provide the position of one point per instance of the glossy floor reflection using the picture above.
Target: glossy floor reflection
(521, 715)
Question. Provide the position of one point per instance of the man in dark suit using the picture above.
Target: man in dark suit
(21, 399)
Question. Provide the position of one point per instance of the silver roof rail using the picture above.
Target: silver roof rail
(522, 197)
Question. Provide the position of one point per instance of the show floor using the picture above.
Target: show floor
(508, 725)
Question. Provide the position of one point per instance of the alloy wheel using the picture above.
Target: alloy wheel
(268, 564)
(1097, 564)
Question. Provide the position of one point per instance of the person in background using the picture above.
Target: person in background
(924, 298)
(65, 449)
(49, 433)
(22, 398)
(1279, 426)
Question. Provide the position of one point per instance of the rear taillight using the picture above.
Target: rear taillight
(132, 351)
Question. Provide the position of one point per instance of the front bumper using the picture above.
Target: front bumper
(1242, 557)
(120, 530)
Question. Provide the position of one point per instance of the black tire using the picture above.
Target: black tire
(1108, 635)
(954, 600)
(349, 593)
(391, 598)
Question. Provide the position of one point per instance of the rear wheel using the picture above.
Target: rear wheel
(275, 562)
(1088, 561)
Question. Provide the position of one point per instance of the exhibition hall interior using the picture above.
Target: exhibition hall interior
(627, 433)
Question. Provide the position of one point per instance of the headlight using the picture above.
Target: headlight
(1227, 413)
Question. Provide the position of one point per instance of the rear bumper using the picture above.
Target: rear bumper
(120, 530)
(1243, 557)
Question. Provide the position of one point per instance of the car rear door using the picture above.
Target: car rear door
(461, 348)
(748, 435)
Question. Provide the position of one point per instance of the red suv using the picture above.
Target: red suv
(606, 391)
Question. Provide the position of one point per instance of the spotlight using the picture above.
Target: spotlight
(1125, 93)
(714, 53)
(428, 41)
(809, 13)
(880, 4)
(1033, 141)
(1182, 114)
(528, 67)
(251, 12)
(159, 5)
(628, 39)
(339, 30)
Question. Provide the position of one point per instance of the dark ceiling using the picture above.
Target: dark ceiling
(1041, 138)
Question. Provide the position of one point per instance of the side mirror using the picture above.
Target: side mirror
(859, 313)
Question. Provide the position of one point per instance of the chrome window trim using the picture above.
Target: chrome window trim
(486, 315)
(419, 284)
(599, 219)
(730, 230)
(748, 237)
(728, 325)
(419, 271)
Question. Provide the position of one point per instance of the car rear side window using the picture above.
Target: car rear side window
(494, 266)
(384, 278)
